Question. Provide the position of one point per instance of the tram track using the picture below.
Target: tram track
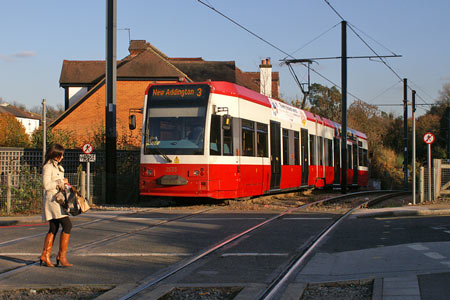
(275, 288)
(159, 278)
(98, 242)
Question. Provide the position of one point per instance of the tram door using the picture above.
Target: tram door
(275, 155)
(305, 155)
(337, 161)
(355, 164)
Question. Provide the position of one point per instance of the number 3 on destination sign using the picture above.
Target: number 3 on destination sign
(199, 92)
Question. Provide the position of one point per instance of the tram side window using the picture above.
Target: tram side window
(228, 141)
(320, 150)
(215, 143)
(312, 149)
(261, 137)
(363, 161)
(296, 148)
(248, 138)
(285, 147)
(329, 152)
(349, 157)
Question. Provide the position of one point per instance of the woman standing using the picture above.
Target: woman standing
(53, 179)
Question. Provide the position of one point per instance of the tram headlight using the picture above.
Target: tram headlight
(195, 173)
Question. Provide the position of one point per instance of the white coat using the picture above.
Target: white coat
(52, 175)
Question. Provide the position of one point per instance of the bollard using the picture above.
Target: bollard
(8, 193)
(83, 184)
(437, 178)
(103, 186)
(422, 184)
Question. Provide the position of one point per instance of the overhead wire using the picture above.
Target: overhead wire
(352, 28)
(290, 55)
(272, 45)
(313, 40)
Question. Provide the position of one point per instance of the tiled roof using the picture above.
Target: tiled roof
(148, 62)
(12, 110)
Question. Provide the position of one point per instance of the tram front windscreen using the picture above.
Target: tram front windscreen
(175, 121)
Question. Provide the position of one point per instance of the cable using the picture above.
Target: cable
(265, 41)
(236, 23)
(387, 49)
(289, 55)
(385, 91)
(316, 38)
(326, 1)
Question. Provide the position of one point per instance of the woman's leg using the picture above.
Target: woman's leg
(48, 243)
(64, 242)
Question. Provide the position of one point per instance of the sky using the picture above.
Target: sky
(36, 36)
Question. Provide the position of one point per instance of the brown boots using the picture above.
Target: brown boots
(63, 244)
(45, 256)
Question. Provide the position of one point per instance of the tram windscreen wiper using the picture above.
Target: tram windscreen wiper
(154, 142)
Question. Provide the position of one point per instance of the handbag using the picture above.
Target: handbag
(75, 204)
(82, 202)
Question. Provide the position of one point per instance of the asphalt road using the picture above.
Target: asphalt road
(121, 248)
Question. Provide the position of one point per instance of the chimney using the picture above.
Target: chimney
(265, 77)
(137, 47)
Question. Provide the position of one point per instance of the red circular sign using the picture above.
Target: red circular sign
(428, 138)
(87, 148)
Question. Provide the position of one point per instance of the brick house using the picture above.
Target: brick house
(84, 85)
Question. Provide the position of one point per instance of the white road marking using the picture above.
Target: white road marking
(299, 218)
(418, 247)
(447, 263)
(434, 255)
(437, 227)
(224, 218)
(140, 219)
(448, 231)
(254, 254)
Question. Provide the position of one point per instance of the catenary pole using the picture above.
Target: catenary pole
(413, 110)
(344, 107)
(111, 69)
(405, 133)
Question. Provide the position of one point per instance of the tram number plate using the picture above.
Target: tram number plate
(87, 157)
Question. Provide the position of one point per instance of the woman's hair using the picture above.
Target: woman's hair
(53, 151)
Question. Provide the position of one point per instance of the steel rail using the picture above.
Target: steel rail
(171, 271)
(273, 290)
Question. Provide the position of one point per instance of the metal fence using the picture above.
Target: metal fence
(438, 185)
(21, 178)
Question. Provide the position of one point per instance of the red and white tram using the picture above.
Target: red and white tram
(220, 140)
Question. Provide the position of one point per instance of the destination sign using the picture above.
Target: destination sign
(176, 92)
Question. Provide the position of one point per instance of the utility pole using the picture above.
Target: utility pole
(44, 129)
(344, 107)
(405, 133)
(111, 77)
(413, 110)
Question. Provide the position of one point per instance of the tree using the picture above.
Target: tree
(52, 112)
(13, 132)
(326, 102)
(61, 137)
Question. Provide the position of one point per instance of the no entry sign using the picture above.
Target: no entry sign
(428, 138)
(87, 148)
